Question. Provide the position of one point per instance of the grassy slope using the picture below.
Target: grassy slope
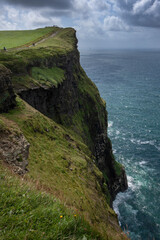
(48, 76)
(63, 40)
(62, 166)
(26, 213)
(12, 39)
(17, 60)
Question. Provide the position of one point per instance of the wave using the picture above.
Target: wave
(114, 151)
(117, 132)
(131, 183)
(110, 124)
(147, 142)
(121, 199)
(139, 142)
(142, 163)
(157, 147)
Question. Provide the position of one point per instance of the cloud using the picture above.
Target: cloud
(88, 17)
(154, 10)
(34, 19)
(12, 18)
(98, 5)
(89, 8)
(141, 6)
(57, 4)
(143, 13)
(113, 23)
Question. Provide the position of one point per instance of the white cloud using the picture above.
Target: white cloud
(91, 28)
(154, 9)
(33, 19)
(12, 13)
(88, 17)
(6, 25)
(88, 8)
(5, 22)
(98, 5)
(12, 18)
(141, 6)
(113, 23)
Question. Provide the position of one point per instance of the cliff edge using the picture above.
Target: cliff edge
(65, 108)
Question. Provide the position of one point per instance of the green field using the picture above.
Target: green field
(12, 39)
(64, 39)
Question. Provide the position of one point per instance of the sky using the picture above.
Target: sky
(99, 24)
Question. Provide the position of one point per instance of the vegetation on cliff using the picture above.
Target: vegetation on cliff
(12, 39)
(66, 128)
(27, 213)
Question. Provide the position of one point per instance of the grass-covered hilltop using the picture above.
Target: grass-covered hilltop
(58, 175)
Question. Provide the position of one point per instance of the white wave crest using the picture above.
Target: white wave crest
(110, 124)
(142, 163)
(157, 147)
(131, 183)
(139, 142)
(117, 132)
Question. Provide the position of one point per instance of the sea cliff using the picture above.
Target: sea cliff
(66, 112)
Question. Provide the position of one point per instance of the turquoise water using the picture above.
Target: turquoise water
(129, 81)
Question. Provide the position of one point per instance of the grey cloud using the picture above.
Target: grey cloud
(144, 13)
(56, 13)
(125, 5)
(57, 4)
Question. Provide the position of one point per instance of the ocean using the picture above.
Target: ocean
(129, 82)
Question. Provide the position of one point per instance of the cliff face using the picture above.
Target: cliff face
(76, 104)
(7, 96)
(61, 133)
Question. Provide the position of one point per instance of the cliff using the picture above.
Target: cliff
(7, 96)
(71, 128)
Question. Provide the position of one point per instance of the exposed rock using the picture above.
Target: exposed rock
(14, 150)
(7, 96)
(120, 183)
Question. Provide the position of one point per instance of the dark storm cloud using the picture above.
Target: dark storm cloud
(57, 4)
(145, 13)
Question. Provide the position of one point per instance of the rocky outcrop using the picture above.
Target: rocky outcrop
(7, 96)
(119, 184)
(14, 150)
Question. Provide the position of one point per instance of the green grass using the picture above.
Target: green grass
(48, 76)
(118, 168)
(61, 165)
(12, 39)
(51, 51)
(64, 40)
(26, 213)
(39, 76)
(2, 125)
